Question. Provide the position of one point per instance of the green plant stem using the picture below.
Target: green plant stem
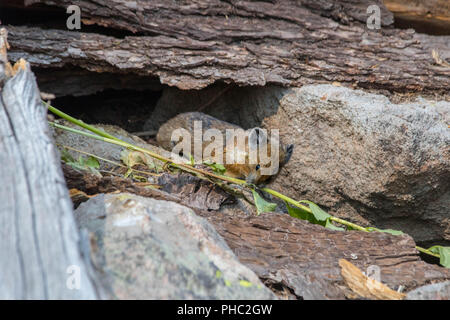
(305, 208)
(347, 223)
(152, 154)
(287, 199)
(426, 251)
(103, 136)
(109, 161)
(80, 123)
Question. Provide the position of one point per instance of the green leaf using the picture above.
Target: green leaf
(330, 225)
(262, 205)
(66, 156)
(444, 253)
(390, 231)
(216, 167)
(302, 214)
(77, 166)
(92, 162)
(318, 213)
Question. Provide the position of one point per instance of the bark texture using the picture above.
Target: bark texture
(289, 43)
(305, 258)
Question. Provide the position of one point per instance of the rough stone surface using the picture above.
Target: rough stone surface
(357, 154)
(153, 249)
(100, 148)
(437, 291)
(367, 159)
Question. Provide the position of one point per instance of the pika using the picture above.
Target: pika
(255, 171)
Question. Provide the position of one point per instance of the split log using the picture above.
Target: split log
(304, 258)
(288, 43)
(40, 253)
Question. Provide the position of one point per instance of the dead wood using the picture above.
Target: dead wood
(287, 43)
(305, 257)
(39, 247)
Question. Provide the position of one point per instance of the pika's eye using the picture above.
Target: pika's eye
(257, 167)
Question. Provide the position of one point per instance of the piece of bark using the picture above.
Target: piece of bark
(247, 43)
(169, 18)
(40, 254)
(425, 15)
(305, 258)
(364, 286)
(185, 189)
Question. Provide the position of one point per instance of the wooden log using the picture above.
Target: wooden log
(282, 42)
(304, 258)
(40, 254)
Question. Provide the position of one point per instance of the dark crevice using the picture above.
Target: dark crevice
(47, 17)
(421, 24)
(282, 290)
(128, 109)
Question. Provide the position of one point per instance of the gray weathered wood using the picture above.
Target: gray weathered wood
(39, 239)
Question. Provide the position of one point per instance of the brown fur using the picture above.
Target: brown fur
(246, 170)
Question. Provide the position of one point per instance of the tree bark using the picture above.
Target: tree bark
(288, 43)
(304, 258)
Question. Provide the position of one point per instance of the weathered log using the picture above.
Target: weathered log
(285, 43)
(305, 258)
(40, 252)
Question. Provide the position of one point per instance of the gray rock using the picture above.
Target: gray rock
(153, 249)
(367, 159)
(100, 148)
(436, 291)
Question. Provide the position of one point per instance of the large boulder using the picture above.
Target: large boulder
(369, 160)
(144, 248)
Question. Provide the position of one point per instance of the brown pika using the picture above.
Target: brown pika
(252, 167)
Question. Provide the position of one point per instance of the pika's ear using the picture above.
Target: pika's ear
(257, 137)
(288, 153)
